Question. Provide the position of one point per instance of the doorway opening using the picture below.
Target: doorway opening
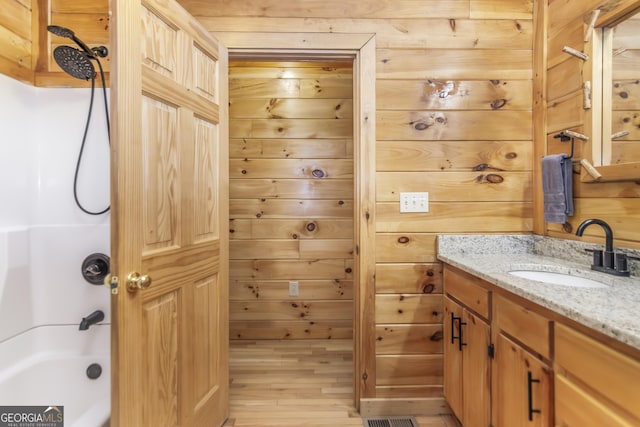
(291, 211)
(358, 51)
(291, 192)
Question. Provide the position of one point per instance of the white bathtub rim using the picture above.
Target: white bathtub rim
(52, 341)
(33, 328)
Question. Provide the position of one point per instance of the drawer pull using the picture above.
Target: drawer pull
(530, 381)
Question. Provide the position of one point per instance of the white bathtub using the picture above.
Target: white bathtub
(46, 366)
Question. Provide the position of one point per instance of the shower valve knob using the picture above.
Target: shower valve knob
(136, 282)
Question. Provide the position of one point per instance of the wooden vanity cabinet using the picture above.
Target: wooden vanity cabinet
(516, 387)
(579, 381)
(522, 382)
(466, 358)
(595, 385)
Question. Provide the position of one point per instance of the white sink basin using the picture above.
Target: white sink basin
(561, 279)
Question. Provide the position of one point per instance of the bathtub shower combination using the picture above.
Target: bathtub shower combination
(54, 323)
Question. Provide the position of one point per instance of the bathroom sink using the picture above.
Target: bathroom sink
(561, 279)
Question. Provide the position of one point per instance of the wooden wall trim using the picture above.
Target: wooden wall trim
(364, 223)
(40, 47)
(306, 41)
(390, 407)
(540, 25)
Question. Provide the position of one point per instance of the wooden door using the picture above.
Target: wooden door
(452, 356)
(523, 387)
(169, 218)
(475, 371)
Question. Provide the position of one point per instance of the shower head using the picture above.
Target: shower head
(74, 62)
(61, 31)
(67, 33)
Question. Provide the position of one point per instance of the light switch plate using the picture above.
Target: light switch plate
(414, 202)
(293, 289)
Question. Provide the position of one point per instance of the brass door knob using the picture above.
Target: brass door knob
(136, 282)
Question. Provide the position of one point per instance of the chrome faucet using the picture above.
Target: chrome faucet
(607, 261)
(93, 318)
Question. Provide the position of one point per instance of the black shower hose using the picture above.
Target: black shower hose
(84, 139)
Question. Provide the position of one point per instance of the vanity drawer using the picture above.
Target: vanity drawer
(467, 289)
(612, 374)
(528, 327)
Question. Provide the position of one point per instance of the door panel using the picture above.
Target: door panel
(452, 357)
(475, 371)
(160, 326)
(205, 188)
(514, 405)
(169, 180)
(205, 360)
(160, 163)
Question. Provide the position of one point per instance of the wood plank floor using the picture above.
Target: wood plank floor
(297, 383)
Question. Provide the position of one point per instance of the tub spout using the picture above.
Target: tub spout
(92, 319)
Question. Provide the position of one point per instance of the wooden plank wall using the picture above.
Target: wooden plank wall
(26, 46)
(88, 19)
(454, 114)
(618, 203)
(15, 40)
(291, 199)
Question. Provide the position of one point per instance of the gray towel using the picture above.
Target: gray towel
(557, 185)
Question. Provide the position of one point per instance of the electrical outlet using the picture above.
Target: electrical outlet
(293, 289)
(414, 202)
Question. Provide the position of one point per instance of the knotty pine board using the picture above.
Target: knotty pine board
(451, 156)
(291, 189)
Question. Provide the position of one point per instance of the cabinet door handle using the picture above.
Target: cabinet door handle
(460, 325)
(530, 381)
(453, 334)
(453, 328)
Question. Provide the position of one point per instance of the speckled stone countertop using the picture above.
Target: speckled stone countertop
(612, 311)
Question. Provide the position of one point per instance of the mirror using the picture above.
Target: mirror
(616, 96)
(621, 92)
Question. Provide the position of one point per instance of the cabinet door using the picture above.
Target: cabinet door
(452, 356)
(475, 371)
(575, 407)
(522, 389)
(600, 387)
(613, 377)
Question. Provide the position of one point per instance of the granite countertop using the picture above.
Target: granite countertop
(612, 310)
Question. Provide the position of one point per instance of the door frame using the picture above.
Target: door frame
(361, 48)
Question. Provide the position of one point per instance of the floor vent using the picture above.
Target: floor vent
(390, 422)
